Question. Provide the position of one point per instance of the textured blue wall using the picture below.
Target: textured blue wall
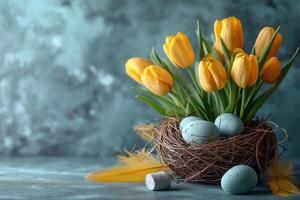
(63, 90)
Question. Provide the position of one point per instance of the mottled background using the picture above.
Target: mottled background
(63, 90)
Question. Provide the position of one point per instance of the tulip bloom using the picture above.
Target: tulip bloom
(271, 70)
(244, 70)
(134, 68)
(179, 50)
(212, 74)
(262, 40)
(231, 31)
(157, 80)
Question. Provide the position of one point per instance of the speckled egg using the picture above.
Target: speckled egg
(199, 132)
(229, 124)
(239, 179)
(186, 120)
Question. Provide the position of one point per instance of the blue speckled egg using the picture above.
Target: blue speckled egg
(239, 179)
(186, 120)
(199, 132)
(229, 125)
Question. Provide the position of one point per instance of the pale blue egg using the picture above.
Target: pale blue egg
(239, 179)
(199, 132)
(186, 120)
(229, 124)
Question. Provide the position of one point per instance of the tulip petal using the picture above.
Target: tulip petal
(134, 68)
(219, 75)
(212, 74)
(135, 76)
(231, 31)
(166, 49)
(179, 50)
(263, 39)
(183, 38)
(253, 70)
(217, 29)
(238, 29)
(157, 80)
(205, 78)
(271, 70)
(240, 71)
(169, 39)
(275, 45)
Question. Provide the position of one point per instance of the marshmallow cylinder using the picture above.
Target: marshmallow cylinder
(158, 181)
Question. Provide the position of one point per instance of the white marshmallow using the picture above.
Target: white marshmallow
(158, 181)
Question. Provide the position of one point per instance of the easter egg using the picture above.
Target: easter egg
(199, 132)
(229, 124)
(239, 179)
(186, 120)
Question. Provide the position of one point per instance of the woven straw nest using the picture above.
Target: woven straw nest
(207, 163)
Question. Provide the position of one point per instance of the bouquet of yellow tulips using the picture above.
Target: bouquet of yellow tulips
(223, 77)
(208, 101)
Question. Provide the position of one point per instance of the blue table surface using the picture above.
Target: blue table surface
(63, 178)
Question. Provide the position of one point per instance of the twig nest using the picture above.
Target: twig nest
(229, 124)
(256, 147)
(239, 179)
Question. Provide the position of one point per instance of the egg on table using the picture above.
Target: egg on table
(239, 179)
(229, 124)
(186, 120)
(199, 132)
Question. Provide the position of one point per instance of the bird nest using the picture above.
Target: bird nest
(207, 163)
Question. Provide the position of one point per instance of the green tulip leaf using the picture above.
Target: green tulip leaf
(155, 106)
(157, 60)
(226, 52)
(190, 110)
(165, 101)
(232, 97)
(209, 49)
(253, 51)
(200, 41)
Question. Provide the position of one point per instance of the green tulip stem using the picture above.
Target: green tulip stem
(200, 91)
(257, 88)
(238, 97)
(218, 101)
(253, 92)
(200, 112)
(221, 101)
(176, 100)
(243, 102)
(194, 80)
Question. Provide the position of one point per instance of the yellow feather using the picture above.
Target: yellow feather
(145, 131)
(281, 178)
(132, 167)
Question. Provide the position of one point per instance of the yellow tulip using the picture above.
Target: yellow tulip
(262, 40)
(157, 80)
(244, 70)
(231, 31)
(134, 68)
(271, 70)
(179, 50)
(237, 51)
(212, 74)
